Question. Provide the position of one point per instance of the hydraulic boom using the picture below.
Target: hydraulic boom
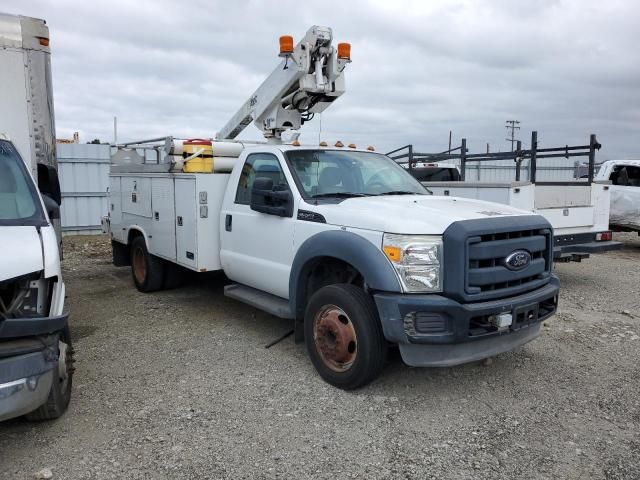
(309, 78)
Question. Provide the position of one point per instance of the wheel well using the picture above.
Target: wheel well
(133, 233)
(122, 252)
(325, 271)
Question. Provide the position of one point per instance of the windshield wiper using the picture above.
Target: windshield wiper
(339, 195)
(399, 192)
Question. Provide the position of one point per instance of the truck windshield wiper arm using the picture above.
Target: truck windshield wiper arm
(399, 192)
(339, 194)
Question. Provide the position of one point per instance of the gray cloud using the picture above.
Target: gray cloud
(564, 67)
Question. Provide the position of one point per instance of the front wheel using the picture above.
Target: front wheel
(344, 337)
(60, 393)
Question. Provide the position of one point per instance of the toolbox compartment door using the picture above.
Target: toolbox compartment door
(136, 196)
(163, 242)
(185, 222)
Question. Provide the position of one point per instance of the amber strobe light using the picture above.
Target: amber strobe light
(286, 45)
(344, 51)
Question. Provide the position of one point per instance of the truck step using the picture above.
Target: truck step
(256, 298)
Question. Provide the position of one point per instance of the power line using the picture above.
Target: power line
(513, 125)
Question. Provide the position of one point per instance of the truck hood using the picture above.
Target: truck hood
(20, 251)
(410, 214)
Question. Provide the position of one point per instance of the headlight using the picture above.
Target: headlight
(417, 259)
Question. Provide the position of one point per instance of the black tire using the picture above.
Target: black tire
(175, 276)
(342, 364)
(147, 270)
(60, 393)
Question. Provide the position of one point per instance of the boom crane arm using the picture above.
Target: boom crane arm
(309, 78)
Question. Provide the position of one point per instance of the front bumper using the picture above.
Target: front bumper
(27, 327)
(26, 374)
(432, 330)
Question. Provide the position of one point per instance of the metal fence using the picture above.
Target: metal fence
(84, 179)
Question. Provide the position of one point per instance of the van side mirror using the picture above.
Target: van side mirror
(265, 199)
(49, 183)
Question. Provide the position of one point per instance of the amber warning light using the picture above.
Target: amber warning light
(344, 51)
(286, 45)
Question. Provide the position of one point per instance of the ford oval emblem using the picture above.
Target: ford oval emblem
(517, 260)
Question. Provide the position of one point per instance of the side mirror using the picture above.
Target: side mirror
(265, 199)
(48, 183)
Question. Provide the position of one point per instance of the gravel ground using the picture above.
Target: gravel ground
(178, 384)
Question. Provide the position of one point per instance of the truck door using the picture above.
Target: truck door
(257, 248)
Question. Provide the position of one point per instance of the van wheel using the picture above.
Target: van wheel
(344, 337)
(60, 393)
(147, 270)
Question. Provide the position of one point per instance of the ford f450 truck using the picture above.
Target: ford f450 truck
(343, 241)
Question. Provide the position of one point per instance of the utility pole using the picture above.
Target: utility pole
(513, 125)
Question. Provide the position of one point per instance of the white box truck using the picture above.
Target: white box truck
(36, 356)
(341, 240)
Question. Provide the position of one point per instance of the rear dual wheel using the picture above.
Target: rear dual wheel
(344, 337)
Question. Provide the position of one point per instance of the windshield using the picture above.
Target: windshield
(341, 173)
(19, 201)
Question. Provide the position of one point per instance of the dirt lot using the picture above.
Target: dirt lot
(178, 384)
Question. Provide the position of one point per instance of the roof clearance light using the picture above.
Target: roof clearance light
(339, 144)
(43, 41)
(286, 45)
(352, 145)
(371, 149)
(344, 51)
(295, 143)
(323, 144)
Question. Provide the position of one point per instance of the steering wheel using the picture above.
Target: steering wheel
(376, 183)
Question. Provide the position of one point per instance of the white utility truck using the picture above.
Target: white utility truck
(624, 176)
(35, 346)
(341, 240)
(577, 209)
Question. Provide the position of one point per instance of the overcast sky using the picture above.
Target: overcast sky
(567, 68)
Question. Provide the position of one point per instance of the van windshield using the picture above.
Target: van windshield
(19, 201)
(341, 173)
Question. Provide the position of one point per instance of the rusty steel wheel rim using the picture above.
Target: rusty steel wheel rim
(139, 265)
(335, 338)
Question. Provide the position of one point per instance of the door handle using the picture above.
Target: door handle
(227, 222)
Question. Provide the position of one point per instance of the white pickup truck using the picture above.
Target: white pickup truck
(577, 209)
(342, 241)
(350, 246)
(624, 176)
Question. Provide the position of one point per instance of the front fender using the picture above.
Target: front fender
(349, 247)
